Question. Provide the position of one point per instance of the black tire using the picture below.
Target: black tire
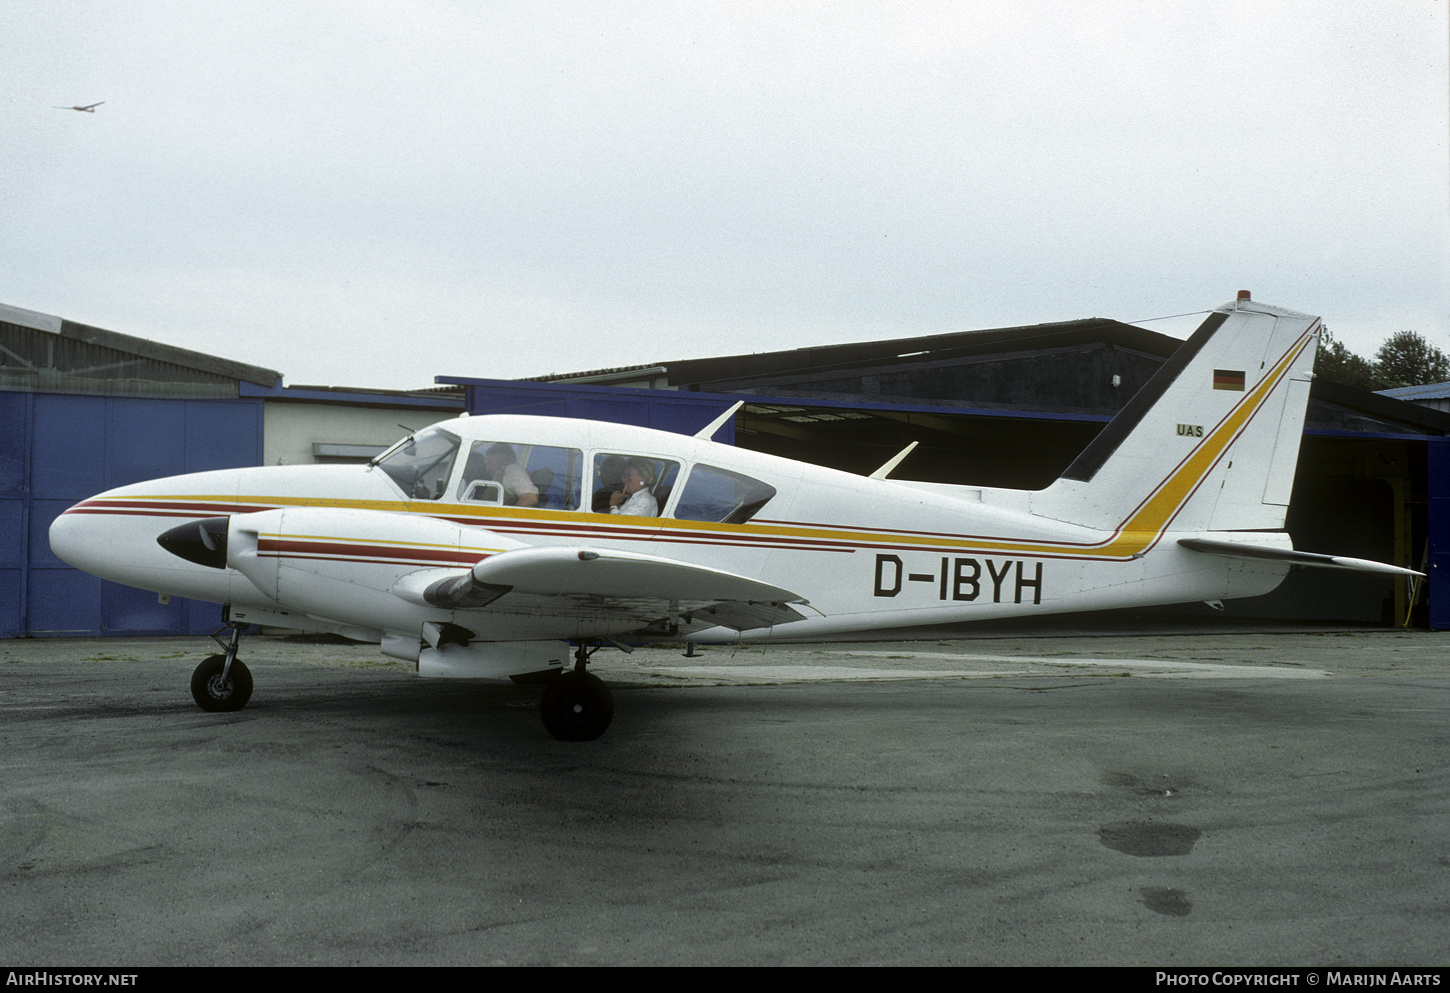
(576, 706)
(212, 693)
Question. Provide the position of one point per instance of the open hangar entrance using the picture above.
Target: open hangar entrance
(1014, 407)
(1364, 494)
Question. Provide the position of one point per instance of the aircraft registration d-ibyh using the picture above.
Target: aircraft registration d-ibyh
(497, 546)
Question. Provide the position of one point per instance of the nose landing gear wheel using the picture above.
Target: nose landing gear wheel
(214, 692)
(576, 706)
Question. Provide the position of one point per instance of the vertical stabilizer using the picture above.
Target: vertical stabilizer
(1211, 442)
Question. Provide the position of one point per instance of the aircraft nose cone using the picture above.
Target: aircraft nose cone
(202, 542)
(73, 539)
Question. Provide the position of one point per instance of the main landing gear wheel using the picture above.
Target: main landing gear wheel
(217, 692)
(576, 706)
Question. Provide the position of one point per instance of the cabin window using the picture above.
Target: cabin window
(421, 464)
(633, 485)
(516, 474)
(721, 496)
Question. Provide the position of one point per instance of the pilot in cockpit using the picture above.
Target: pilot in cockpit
(503, 467)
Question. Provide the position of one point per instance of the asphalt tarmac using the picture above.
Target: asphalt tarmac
(1212, 799)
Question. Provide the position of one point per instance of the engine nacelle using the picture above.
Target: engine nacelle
(343, 564)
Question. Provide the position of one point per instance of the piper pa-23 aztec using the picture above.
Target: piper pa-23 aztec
(487, 546)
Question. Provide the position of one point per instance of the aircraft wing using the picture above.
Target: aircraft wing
(634, 590)
(1244, 550)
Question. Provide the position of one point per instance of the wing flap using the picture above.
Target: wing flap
(747, 615)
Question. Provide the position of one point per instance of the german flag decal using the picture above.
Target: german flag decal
(1228, 379)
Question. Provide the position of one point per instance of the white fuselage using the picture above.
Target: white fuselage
(330, 545)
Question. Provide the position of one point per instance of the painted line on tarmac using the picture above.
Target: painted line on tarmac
(1149, 667)
(980, 667)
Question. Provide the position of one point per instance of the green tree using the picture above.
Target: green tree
(1336, 363)
(1407, 359)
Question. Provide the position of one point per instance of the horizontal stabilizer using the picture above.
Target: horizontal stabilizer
(1242, 550)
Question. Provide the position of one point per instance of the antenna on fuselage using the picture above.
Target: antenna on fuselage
(885, 470)
(393, 447)
(719, 422)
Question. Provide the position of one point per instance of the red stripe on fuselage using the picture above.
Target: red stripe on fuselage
(294, 548)
(163, 508)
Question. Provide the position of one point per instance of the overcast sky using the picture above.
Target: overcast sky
(372, 194)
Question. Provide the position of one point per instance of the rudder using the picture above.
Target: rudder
(1210, 443)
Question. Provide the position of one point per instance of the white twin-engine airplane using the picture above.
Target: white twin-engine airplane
(486, 546)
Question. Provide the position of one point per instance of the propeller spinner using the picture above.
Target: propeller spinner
(202, 542)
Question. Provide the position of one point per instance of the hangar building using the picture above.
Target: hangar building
(90, 409)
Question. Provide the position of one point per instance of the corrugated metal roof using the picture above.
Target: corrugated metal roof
(601, 375)
(44, 354)
(1430, 391)
(887, 351)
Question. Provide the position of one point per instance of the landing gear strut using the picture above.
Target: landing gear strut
(576, 705)
(222, 683)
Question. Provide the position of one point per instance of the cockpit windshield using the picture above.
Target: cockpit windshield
(421, 464)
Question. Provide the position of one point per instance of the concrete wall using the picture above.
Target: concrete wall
(292, 428)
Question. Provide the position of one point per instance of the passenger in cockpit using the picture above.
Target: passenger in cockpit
(635, 498)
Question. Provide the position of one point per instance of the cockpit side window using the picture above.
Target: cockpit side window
(517, 474)
(421, 464)
(635, 485)
(721, 496)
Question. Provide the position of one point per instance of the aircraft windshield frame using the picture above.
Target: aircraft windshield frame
(377, 459)
(422, 463)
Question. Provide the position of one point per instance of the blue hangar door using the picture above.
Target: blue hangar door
(59, 449)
